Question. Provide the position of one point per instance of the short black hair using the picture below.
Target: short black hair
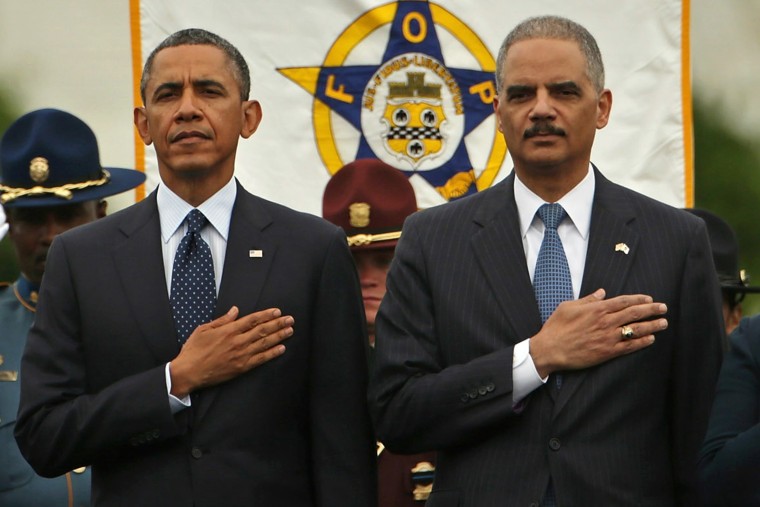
(198, 36)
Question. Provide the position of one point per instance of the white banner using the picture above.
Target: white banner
(336, 80)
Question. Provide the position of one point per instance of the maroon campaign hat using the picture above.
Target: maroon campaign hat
(370, 200)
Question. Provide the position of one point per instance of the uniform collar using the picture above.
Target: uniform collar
(27, 292)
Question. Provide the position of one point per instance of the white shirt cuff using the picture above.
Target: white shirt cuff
(175, 404)
(525, 378)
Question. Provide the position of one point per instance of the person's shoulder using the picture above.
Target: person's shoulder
(465, 208)
(290, 220)
(747, 336)
(653, 211)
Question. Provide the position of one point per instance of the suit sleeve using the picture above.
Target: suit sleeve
(342, 438)
(696, 363)
(730, 457)
(62, 424)
(419, 402)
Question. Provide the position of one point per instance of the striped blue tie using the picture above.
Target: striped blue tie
(193, 289)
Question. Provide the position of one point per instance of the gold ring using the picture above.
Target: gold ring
(627, 332)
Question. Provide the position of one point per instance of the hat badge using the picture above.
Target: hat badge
(359, 214)
(39, 169)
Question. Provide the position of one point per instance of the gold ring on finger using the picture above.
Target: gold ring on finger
(626, 332)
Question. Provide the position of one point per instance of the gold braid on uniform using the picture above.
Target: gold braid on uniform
(366, 239)
(64, 191)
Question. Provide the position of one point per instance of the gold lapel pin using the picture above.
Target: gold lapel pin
(622, 247)
(256, 253)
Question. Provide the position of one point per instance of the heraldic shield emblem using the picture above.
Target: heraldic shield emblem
(413, 116)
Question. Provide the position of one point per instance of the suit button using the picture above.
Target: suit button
(490, 387)
(465, 398)
(473, 394)
(482, 390)
(196, 453)
(554, 444)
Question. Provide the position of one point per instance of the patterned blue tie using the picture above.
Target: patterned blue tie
(551, 280)
(193, 290)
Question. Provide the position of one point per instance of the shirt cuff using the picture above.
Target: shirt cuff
(525, 378)
(175, 404)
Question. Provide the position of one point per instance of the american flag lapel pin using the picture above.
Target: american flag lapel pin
(622, 247)
(255, 254)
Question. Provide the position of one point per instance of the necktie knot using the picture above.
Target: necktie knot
(551, 215)
(195, 221)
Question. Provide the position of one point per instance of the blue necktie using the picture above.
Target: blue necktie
(193, 290)
(551, 280)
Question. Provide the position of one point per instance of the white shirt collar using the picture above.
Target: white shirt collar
(577, 203)
(172, 210)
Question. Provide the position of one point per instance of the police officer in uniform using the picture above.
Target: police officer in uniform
(50, 181)
(370, 200)
(734, 282)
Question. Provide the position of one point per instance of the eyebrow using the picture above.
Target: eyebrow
(561, 85)
(198, 83)
(564, 85)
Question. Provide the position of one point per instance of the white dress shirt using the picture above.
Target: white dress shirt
(172, 211)
(573, 232)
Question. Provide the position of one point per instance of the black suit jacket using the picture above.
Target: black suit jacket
(459, 298)
(292, 432)
(730, 458)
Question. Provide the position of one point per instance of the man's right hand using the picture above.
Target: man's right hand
(588, 331)
(227, 347)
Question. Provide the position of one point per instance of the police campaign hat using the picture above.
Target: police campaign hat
(370, 200)
(50, 157)
(725, 251)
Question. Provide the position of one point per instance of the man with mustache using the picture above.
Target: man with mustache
(205, 346)
(556, 337)
(50, 181)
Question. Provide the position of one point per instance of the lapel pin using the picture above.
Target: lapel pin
(622, 247)
(256, 253)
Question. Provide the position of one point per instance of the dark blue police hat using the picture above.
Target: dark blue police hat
(50, 157)
(725, 252)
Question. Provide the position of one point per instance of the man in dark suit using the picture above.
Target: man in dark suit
(230, 415)
(630, 354)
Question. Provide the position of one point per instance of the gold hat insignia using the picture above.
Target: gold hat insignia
(39, 169)
(359, 214)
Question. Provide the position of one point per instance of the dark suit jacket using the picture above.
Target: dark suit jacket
(730, 458)
(292, 432)
(459, 298)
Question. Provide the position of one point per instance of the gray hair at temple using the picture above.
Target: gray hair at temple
(198, 36)
(555, 27)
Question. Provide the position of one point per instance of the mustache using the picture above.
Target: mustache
(543, 128)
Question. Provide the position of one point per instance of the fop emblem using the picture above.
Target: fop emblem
(408, 108)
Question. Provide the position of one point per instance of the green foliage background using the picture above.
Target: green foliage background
(727, 182)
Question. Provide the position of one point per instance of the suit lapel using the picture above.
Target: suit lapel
(249, 257)
(498, 248)
(607, 263)
(139, 263)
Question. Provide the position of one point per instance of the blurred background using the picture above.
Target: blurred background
(725, 59)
